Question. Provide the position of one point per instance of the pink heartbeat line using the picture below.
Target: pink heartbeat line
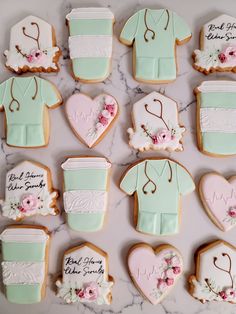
(223, 198)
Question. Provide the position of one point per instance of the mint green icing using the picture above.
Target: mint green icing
(27, 252)
(216, 142)
(23, 294)
(25, 126)
(158, 212)
(85, 179)
(91, 68)
(85, 222)
(90, 27)
(154, 58)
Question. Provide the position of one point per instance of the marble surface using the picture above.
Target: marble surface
(119, 233)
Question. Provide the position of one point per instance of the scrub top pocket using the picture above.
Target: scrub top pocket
(147, 222)
(169, 223)
(166, 69)
(145, 68)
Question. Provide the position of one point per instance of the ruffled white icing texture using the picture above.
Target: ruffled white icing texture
(84, 201)
(10, 208)
(139, 140)
(15, 60)
(69, 294)
(23, 272)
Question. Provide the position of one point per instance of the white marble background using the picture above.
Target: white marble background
(118, 233)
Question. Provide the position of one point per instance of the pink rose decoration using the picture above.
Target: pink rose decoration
(79, 293)
(154, 139)
(232, 212)
(231, 292)
(28, 202)
(110, 108)
(223, 295)
(168, 261)
(103, 120)
(222, 57)
(91, 291)
(34, 55)
(169, 281)
(176, 270)
(160, 282)
(163, 136)
(230, 51)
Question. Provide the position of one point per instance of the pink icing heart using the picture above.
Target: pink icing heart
(90, 118)
(154, 272)
(219, 198)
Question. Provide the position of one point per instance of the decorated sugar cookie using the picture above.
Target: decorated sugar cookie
(25, 263)
(25, 101)
(157, 185)
(155, 124)
(90, 43)
(32, 47)
(217, 46)
(219, 199)
(154, 35)
(29, 192)
(154, 271)
(86, 182)
(91, 119)
(215, 275)
(216, 117)
(85, 276)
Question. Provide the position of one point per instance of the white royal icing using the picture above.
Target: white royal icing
(81, 267)
(217, 36)
(15, 60)
(217, 86)
(211, 120)
(154, 126)
(90, 46)
(23, 273)
(24, 235)
(90, 13)
(27, 179)
(221, 282)
(85, 201)
(85, 163)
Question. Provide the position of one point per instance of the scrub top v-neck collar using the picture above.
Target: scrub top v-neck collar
(156, 20)
(156, 165)
(23, 89)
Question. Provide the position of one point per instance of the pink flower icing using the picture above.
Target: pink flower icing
(79, 293)
(34, 55)
(232, 212)
(169, 281)
(223, 295)
(163, 136)
(222, 57)
(103, 120)
(91, 291)
(110, 108)
(28, 202)
(176, 270)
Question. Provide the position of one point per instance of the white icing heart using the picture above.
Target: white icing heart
(90, 118)
(219, 197)
(154, 272)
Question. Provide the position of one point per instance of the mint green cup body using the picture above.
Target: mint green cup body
(23, 265)
(90, 42)
(85, 192)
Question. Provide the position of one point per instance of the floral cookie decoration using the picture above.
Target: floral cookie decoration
(155, 124)
(32, 47)
(154, 271)
(215, 278)
(91, 119)
(29, 192)
(217, 46)
(85, 276)
(219, 199)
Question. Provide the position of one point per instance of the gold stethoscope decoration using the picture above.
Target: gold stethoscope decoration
(148, 29)
(16, 101)
(150, 181)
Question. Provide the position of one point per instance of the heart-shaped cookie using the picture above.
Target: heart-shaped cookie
(154, 271)
(90, 118)
(219, 199)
